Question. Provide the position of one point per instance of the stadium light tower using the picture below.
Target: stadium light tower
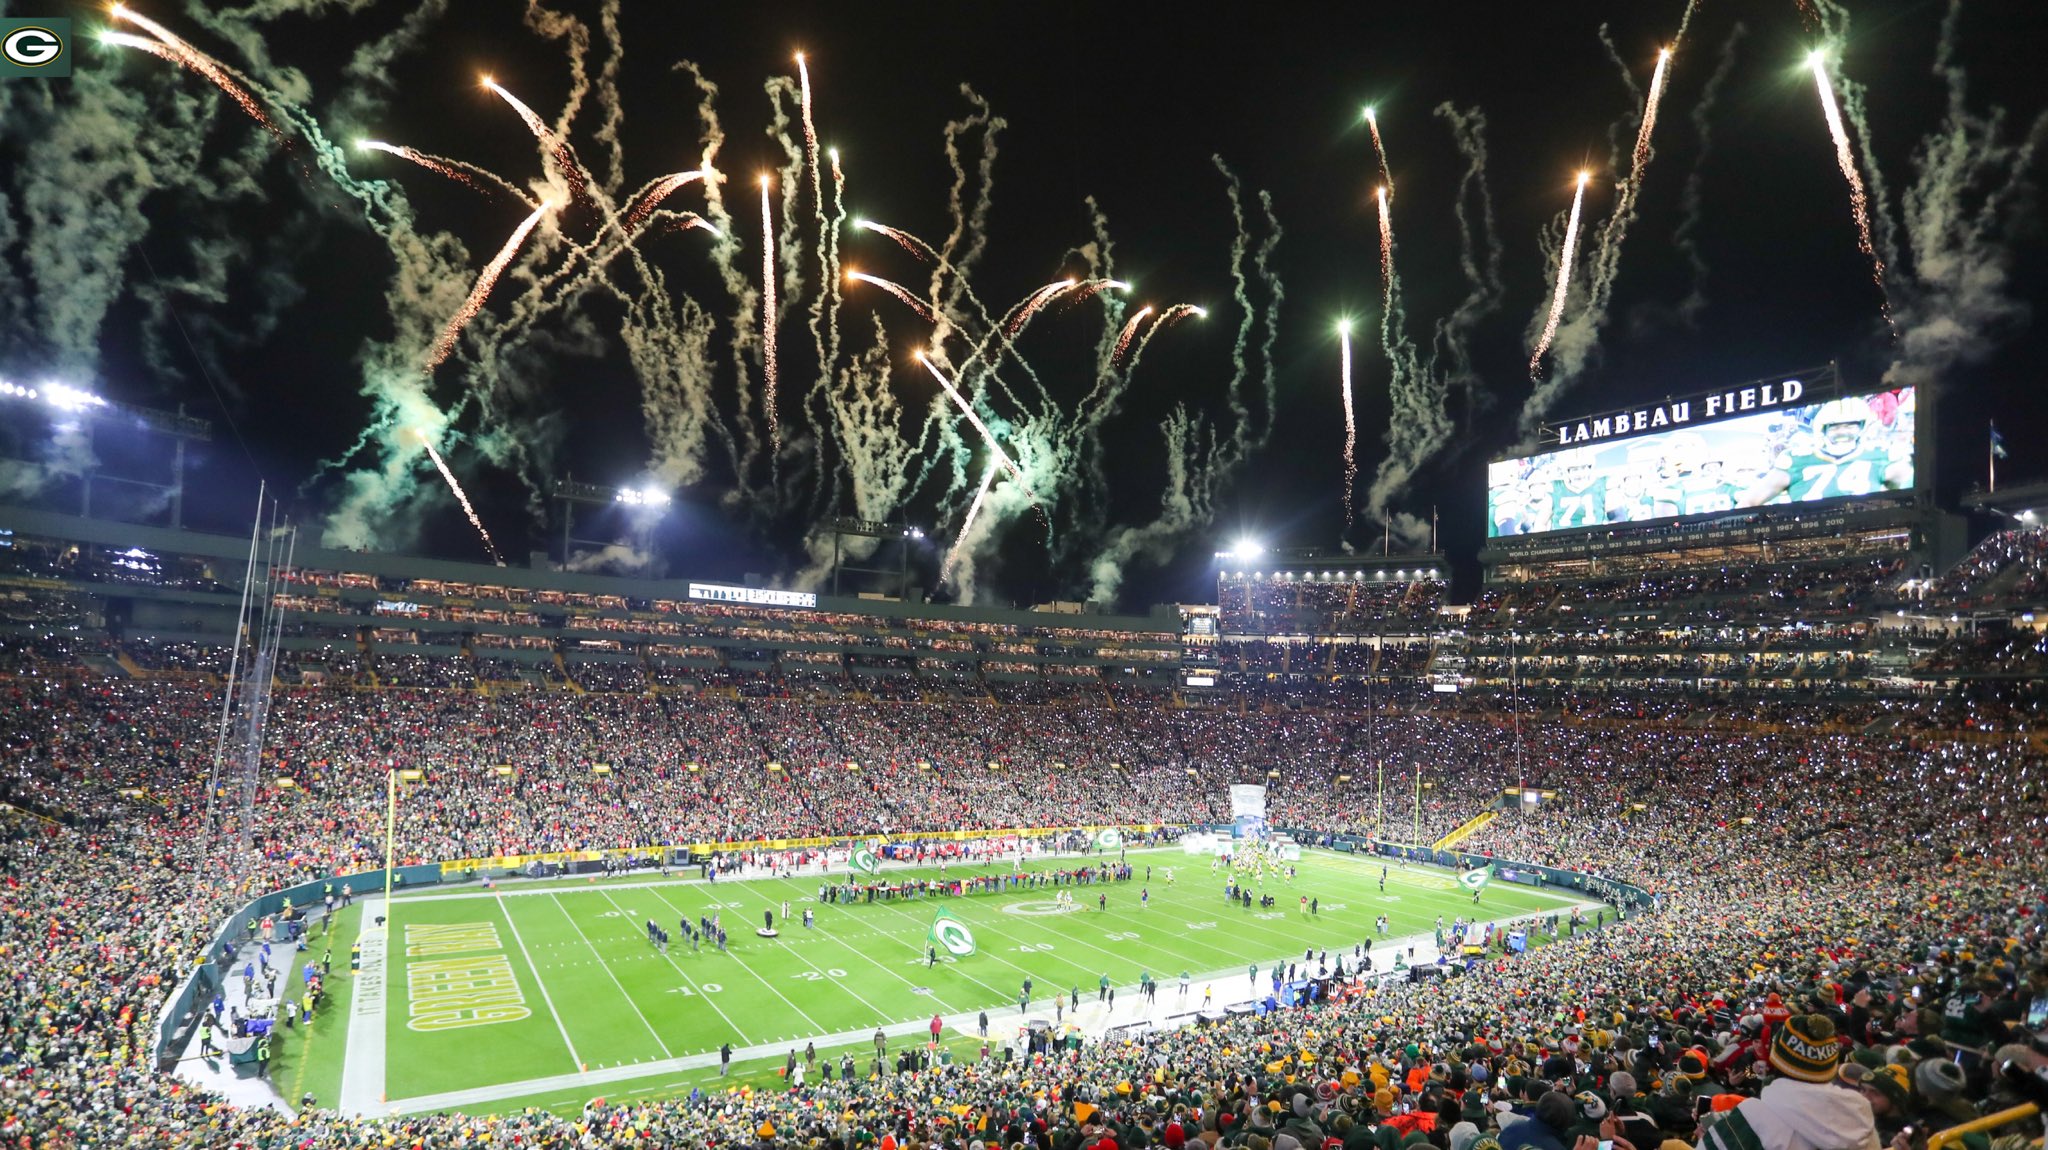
(568, 492)
(88, 410)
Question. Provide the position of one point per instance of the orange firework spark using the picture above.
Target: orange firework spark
(1350, 421)
(461, 496)
(1656, 96)
(1859, 204)
(1023, 312)
(768, 318)
(185, 54)
(909, 243)
(1379, 149)
(973, 509)
(477, 294)
(1386, 255)
(439, 165)
(1123, 340)
(988, 437)
(565, 157)
(650, 197)
(1564, 278)
(915, 304)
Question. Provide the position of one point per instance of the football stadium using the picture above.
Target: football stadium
(501, 646)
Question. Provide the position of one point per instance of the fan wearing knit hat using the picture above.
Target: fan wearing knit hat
(1802, 1108)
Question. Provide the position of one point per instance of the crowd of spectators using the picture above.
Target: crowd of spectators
(1816, 884)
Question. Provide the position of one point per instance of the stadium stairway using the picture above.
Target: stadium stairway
(1465, 830)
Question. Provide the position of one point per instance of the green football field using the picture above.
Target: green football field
(548, 994)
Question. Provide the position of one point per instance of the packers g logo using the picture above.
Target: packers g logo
(953, 935)
(35, 47)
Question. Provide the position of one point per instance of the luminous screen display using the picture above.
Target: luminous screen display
(1849, 446)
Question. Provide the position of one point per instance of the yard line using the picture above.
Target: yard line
(540, 982)
(694, 985)
(876, 963)
(815, 1028)
(608, 973)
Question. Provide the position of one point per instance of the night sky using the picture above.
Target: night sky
(1123, 103)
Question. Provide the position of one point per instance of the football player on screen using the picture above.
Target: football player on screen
(1844, 452)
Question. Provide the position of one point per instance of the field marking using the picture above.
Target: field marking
(542, 983)
(362, 1062)
(467, 1100)
(877, 964)
(696, 987)
(815, 1028)
(609, 973)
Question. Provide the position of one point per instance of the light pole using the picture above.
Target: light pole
(392, 777)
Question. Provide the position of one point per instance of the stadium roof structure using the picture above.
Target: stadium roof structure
(2024, 502)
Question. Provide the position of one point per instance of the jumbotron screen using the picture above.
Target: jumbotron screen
(1849, 446)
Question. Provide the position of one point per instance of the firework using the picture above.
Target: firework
(461, 171)
(475, 303)
(180, 52)
(1564, 278)
(768, 308)
(461, 496)
(1650, 102)
(1023, 312)
(1123, 339)
(565, 159)
(1859, 204)
(1379, 149)
(648, 198)
(1089, 287)
(973, 509)
(987, 436)
(923, 310)
(910, 243)
(811, 141)
(1386, 256)
(1350, 420)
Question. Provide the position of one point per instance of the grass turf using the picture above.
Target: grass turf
(598, 996)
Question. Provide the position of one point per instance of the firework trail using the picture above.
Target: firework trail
(1859, 204)
(1022, 313)
(1379, 149)
(183, 53)
(1123, 339)
(1089, 287)
(461, 171)
(811, 143)
(910, 243)
(461, 496)
(923, 310)
(1656, 96)
(1167, 319)
(1386, 258)
(768, 308)
(825, 308)
(648, 198)
(988, 437)
(1564, 279)
(988, 477)
(565, 158)
(477, 294)
(1350, 423)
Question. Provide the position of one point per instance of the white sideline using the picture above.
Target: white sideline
(362, 1067)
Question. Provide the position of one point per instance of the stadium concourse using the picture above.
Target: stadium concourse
(1844, 947)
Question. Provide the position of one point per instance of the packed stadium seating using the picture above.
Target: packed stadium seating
(1830, 777)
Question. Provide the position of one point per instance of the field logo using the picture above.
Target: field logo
(1476, 880)
(952, 935)
(1109, 838)
(35, 46)
(864, 860)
